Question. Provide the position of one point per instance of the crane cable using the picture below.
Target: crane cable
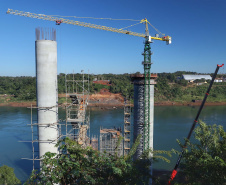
(114, 20)
(97, 18)
(130, 26)
(156, 29)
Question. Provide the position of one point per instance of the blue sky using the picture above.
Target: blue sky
(197, 28)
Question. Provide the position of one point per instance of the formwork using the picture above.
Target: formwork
(111, 141)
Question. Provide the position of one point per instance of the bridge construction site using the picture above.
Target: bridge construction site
(77, 121)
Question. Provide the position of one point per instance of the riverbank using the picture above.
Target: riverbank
(172, 103)
(19, 104)
(105, 100)
(109, 105)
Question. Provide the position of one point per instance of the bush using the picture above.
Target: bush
(77, 165)
(7, 176)
(204, 161)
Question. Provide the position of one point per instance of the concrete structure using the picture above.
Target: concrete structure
(47, 94)
(139, 111)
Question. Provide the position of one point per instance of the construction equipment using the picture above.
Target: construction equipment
(174, 172)
(67, 21)
(147, 53)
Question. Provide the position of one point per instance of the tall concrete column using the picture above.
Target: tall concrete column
(139, 111)
(47, 95)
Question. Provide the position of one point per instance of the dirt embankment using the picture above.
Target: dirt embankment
(104, 99)
(108, 100)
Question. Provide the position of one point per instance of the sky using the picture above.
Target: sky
(197, 28)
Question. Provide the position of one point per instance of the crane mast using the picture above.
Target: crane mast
(147, 55)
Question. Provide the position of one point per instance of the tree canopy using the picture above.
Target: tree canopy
(7, 176)
(77, 165)
(169, 87)
(204, 161)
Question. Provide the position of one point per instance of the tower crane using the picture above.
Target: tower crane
(147, 53)
(89, 25)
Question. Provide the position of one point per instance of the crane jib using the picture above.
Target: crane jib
(78, 23)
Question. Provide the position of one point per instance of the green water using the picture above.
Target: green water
(170, 123)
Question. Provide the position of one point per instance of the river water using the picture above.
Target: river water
(170, 123)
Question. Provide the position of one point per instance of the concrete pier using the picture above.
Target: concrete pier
(139, 99)
(47, 95)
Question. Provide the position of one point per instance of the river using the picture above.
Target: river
(170, 123)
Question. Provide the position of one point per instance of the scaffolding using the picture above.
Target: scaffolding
(77, 122)
(77, 116)
(127, 127)
(94, 142)
(117, 140)
(110, 141)
(34, 135)
(139, 128)
(147, 67)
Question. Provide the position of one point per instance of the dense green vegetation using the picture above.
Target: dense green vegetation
(168, 88)
(204, 161)
(7, 176)
(22, 88)
(77, 165)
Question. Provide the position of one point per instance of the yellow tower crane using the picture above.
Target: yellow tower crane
(78, 23)
(147, 55)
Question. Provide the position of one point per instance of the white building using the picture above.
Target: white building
(191, 78)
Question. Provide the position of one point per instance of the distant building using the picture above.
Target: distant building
(218, 80)
(192, 78)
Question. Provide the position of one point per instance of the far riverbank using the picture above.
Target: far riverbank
(103, 100)
(116, 105)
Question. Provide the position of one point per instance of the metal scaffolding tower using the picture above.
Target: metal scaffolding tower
(127, 127)
(147, 67)
(77, 117)
(140, 98)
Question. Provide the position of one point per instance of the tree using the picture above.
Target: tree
(163, 87)
(204, 161)
(7, 176)
(200, 80)
(77, 165)
(182, 82)
(176, 91)
(171, 77)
